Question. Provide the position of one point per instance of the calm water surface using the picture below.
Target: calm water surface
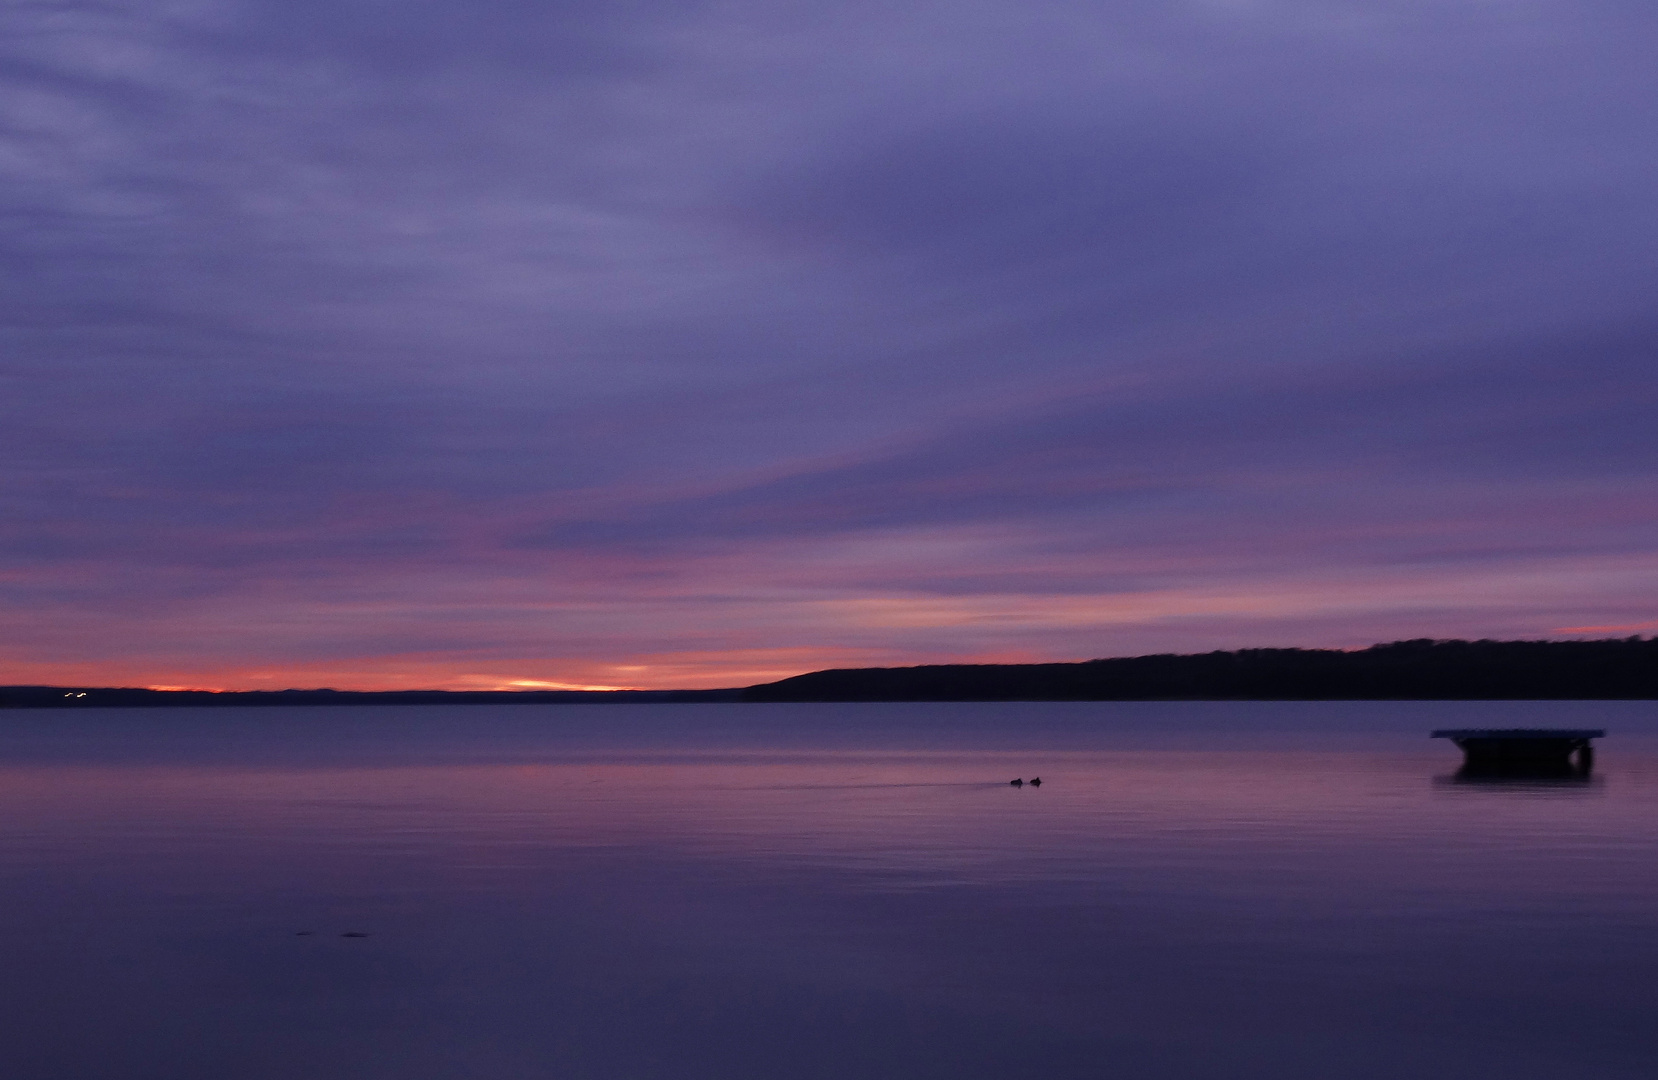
(1197, 890)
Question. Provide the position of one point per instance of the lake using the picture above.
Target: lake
(1196, 890)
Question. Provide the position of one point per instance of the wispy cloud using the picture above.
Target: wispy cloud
(549, 343)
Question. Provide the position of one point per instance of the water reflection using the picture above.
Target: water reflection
(1578, 770)
(588, 904)
(1523, 782)
(1521, 773)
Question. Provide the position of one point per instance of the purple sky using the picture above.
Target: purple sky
(473, 343)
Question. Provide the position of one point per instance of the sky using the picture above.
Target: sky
(499, 343)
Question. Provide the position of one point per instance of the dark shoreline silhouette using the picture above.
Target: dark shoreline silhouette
(1422, 669)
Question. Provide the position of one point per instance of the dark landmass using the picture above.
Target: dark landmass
(69, 697)
(1423, 669)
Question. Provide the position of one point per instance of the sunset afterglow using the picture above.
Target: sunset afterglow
(697, 346)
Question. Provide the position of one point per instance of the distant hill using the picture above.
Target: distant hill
(1420, 669)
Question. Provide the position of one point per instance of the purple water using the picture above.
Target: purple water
(1197, 890)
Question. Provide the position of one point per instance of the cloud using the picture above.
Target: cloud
(365, 320)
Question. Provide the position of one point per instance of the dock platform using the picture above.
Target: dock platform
(1496, 747)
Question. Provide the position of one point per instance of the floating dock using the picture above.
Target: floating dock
(1497, 748)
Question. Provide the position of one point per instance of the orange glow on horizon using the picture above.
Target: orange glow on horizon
(692, 670)
(1629, 628)
(745, 637)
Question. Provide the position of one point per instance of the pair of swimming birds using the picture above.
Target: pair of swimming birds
(1035, 781)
